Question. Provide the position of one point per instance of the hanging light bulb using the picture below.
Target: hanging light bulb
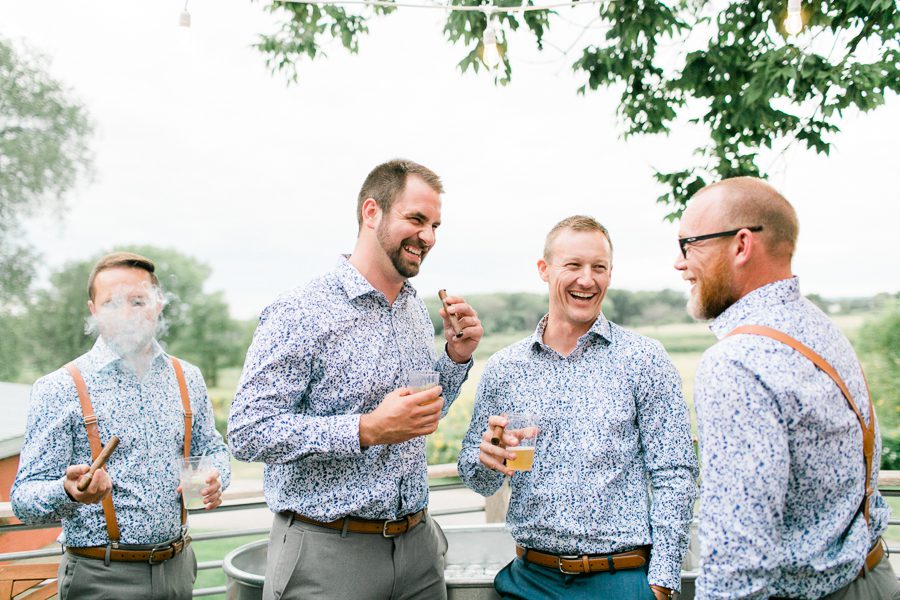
(793, 24)
(184, 19)
(490, 54)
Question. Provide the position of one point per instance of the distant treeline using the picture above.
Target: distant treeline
(520, 312)
(503, 313)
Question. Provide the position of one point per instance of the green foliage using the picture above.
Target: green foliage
(754, 85)
(879, 347)
(200, 330)
(43, 151)
(505, 313)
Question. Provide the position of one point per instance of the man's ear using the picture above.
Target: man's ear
(745, 246)
(542, 270)
(92, 307)
(370, 213)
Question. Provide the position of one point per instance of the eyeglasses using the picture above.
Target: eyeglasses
(683, 242)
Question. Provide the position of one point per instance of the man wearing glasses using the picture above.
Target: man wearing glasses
(789, 507)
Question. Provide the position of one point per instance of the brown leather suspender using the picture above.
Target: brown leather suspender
(93, 434)
(868, 432)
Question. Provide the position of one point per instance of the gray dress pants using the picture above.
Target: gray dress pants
(306, 561)
(90, 579)
(879, 584)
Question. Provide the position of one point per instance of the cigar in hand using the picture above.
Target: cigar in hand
(454, 320)
(85, 480)
(497, 435)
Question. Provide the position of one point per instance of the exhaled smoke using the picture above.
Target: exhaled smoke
(128, 318)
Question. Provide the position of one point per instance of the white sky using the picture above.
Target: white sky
(200, 148)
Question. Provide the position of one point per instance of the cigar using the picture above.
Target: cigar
(85, 480)
(497, 435)
(454, 320)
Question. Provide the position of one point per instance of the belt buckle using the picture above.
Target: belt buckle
(563, 557)
(155, 549)
(384, 531)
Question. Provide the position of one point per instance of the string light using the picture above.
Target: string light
(450, 7)
(490, 54)
(184, 19)
(793, 24)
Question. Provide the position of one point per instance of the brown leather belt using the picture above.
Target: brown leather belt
(153, 555)
(587, 563)
(388, 528)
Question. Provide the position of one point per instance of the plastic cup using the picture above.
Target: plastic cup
(195, 470)
(419, 381)
(525, 427)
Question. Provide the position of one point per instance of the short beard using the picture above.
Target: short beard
(404, 268)
(712, 295)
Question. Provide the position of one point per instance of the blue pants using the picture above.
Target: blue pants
(526, 581)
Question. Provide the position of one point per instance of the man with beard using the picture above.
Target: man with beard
(125, 535)
(789, 505)
(323, 401)
(605, 509)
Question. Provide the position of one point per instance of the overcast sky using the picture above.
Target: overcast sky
(200, 148)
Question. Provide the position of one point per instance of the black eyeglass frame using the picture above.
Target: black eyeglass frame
(683, 242)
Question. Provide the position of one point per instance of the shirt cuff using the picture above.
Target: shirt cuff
(58, 499)
(453, 373)
(664, 571)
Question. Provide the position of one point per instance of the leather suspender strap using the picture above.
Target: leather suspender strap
(93, 433)
(868, 432)
(188, 420)
(186, 403)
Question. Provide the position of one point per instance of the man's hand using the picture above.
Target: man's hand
(460, 349)
(99, 488)
(401, 416)
(494, 457)
(660, 592)
(212, 493)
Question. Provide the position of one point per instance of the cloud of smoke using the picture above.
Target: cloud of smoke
(129, 318)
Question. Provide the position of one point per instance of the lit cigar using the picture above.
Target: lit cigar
(454, 320)
(85, 480)
(497, 435)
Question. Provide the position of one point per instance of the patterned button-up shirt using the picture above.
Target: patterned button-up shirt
(613, 426)
(323, 355)
(148, 417)
(783, 470)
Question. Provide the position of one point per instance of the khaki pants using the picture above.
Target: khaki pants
(879, 584)
(90, 579)
(306, 561)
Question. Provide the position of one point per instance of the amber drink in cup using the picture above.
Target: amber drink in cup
(525, 427)
(419, 381)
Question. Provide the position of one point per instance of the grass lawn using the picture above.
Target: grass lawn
(216, 550)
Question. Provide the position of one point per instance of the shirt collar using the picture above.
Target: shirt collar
(102, 355)
(600, 329)
(355, 285)
(760, 300)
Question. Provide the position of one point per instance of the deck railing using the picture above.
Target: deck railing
(888, 484)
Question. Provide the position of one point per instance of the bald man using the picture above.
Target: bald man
(784, 511)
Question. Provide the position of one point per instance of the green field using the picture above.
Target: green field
(685, 343)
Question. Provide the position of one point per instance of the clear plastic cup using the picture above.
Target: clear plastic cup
(195, 470)
(525, 427)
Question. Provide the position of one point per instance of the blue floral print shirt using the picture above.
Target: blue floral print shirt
(783, 471)
(614, 466)
(323, 355)
(148, 417)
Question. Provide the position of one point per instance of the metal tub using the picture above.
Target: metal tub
(475, 554)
